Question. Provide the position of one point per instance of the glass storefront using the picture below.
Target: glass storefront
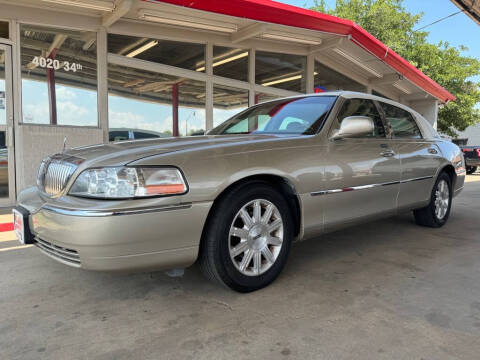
(179, 54)
(4, 29)
(4, 189)
(262, 97)
(142, 104)
(3, 100)
(227, 101)
(231, 63)
(283, 71)
(326, 79)
(59, 76)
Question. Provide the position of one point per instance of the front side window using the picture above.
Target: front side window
(402, 122)
(362, 107)
(288, 116)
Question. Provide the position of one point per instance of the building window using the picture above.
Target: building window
(3, 94)
(376, 93)
(326, 79)
(263, 97)
(144, 104)
(4, 33)
(179, 54)
(227, 101)
(282, 71)
(59, 76)
(230, 62)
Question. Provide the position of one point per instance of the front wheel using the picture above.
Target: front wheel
(247, 238)
(438, 210)
(471, 169)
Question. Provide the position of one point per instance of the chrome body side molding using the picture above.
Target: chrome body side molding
(369, 186)
(98, 213)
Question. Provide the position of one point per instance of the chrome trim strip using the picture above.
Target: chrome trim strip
(369, 186)
(416, 179)
(101, 213)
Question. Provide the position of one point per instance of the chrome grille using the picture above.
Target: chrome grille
(54, 173)
(68, 256)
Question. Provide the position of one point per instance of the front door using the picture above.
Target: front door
(7, 166)
(362, 174)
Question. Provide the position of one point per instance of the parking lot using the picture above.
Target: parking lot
(384, 290)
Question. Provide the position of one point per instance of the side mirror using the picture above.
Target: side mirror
(354, 126)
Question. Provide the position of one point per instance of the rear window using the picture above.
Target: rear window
(402, 122)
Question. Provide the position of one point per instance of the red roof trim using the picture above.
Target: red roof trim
(283, 14)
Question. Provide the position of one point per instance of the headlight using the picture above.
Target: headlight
(128, 182)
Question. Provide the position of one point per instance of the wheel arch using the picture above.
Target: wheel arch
(280, 183)
(450, 170)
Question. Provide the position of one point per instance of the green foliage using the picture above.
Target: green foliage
(391, 23)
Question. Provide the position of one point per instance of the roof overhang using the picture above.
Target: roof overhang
(265, 25)
(470, 7)
(267, 11)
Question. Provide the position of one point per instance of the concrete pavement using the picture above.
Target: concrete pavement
(384, 290)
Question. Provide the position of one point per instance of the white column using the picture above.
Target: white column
(251, 77)
(309, 74)
(102, 81)
(209, 86)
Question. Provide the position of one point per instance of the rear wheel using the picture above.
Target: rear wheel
(438, 210)
(248, 238)
(471, 169)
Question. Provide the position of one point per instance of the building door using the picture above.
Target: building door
(7, 165)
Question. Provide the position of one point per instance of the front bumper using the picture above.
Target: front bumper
(130, 239)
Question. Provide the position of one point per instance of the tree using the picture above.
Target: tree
(391, 23)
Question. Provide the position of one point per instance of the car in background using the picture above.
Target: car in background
(122, 134)
(472, 158)
(236, 199)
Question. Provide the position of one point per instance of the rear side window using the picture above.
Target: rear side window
(362, 107)
(402, 122)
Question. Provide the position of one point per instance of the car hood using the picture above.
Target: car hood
(126, 151)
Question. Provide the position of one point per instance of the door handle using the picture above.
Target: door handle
(432, 151)
(388, 153)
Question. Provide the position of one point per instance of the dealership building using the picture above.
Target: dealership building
(94, 71)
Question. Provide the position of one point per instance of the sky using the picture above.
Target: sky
(457, 30)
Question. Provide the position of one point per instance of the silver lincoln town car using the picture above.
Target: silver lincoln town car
(235, 199)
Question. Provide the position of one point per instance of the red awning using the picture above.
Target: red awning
(283, 14)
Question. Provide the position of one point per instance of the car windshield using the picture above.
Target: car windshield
(287, 116)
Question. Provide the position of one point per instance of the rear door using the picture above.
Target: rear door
(362, 174)
(419, 157)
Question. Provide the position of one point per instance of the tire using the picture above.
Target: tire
(437, 212)
(471, 169)
(220, 242)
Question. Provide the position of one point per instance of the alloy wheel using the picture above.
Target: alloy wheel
(442, 199)
(256, 237)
